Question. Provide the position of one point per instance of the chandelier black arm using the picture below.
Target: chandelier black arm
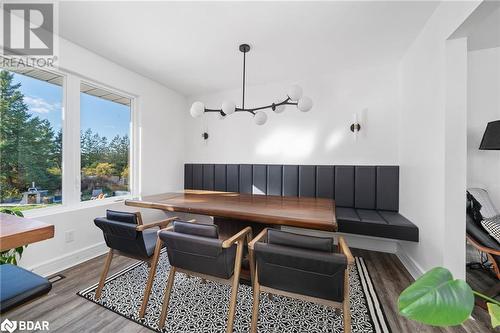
(252, 111)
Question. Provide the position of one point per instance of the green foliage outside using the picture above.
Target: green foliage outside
(31, 151)
(437, 299)
(28, 145)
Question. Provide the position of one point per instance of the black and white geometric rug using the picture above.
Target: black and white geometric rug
(202, 307)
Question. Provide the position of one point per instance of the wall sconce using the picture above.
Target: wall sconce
(205, 136)
(355, 126)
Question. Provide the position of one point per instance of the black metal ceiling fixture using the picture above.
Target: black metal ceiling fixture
(294, 97)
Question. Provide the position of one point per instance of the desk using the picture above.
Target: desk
(17, 231)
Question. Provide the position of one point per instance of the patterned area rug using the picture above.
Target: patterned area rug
(202, 307)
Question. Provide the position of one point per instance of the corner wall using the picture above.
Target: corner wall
(425, 143)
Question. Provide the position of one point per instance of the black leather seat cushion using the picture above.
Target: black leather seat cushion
(305, 272)
(278, 237)
(18, 286)
(378, 223)
(199, 254)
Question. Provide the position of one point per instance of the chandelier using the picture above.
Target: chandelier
(294, 97)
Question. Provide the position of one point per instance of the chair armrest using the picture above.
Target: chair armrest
(482, 248)
(343, 248)
(161, 224)
(233, 239)
(257, 238)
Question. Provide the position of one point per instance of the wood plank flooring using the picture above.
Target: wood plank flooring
(67, 312)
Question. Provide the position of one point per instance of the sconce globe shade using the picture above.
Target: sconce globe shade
(295, 92)
(260, 117)
(228, 107)
(279, 108)
(305, 104)
(197, 109)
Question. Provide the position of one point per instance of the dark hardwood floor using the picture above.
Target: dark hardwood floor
(67, 312)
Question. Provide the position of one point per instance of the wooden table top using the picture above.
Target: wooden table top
(17, 231)
(312, 213)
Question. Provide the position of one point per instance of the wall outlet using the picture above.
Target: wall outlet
(70, 236)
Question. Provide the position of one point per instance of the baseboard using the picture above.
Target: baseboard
(68, 260)
(410, 264)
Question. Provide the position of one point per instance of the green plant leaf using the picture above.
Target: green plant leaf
(494, 311)
(437, 299)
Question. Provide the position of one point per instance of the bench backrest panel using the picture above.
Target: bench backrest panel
(354, 186)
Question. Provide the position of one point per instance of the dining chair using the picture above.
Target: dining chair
(196, 250)
(125, 234)
(301, 267)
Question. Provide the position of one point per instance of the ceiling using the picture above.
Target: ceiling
(193, 47)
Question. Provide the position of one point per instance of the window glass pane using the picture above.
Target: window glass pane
(30, 139)
(105, 143)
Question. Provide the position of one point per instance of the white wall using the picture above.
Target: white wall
(161, 168)
(321, 136)
(424, 143)
(483, 166)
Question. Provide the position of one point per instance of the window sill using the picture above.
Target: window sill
(41, 212)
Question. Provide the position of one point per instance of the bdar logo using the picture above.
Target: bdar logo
(9, 326)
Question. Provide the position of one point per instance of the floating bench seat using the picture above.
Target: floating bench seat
(369, 222)
(18, 286)
(366, 197)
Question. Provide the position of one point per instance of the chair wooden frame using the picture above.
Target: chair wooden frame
(152, 262)
(257, 288)
(489, 253)
(239, 238)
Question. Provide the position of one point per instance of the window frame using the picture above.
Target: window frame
(71, 152)
(131, 153)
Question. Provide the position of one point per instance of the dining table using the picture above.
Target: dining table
(232, 211)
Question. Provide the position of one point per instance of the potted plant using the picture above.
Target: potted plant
(439, 300)
(11, 256)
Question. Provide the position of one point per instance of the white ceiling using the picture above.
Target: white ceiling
(193, 47)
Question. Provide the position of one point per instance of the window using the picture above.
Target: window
(30, 139)
(104, 143)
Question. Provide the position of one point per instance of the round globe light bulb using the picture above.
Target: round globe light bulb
(295, 92)
(260, 117)
(305, 104)
(228, 107)
(279, 108)
(197, 109)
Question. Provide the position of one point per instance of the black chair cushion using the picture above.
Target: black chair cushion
(199, 254)
(126, 217)
(378, 223)
(124, 237)
(278, 237)
(18, 286)
(203, 230)
(305, 272)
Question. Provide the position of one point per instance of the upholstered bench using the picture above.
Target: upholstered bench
(366, 197)
(18, 286)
